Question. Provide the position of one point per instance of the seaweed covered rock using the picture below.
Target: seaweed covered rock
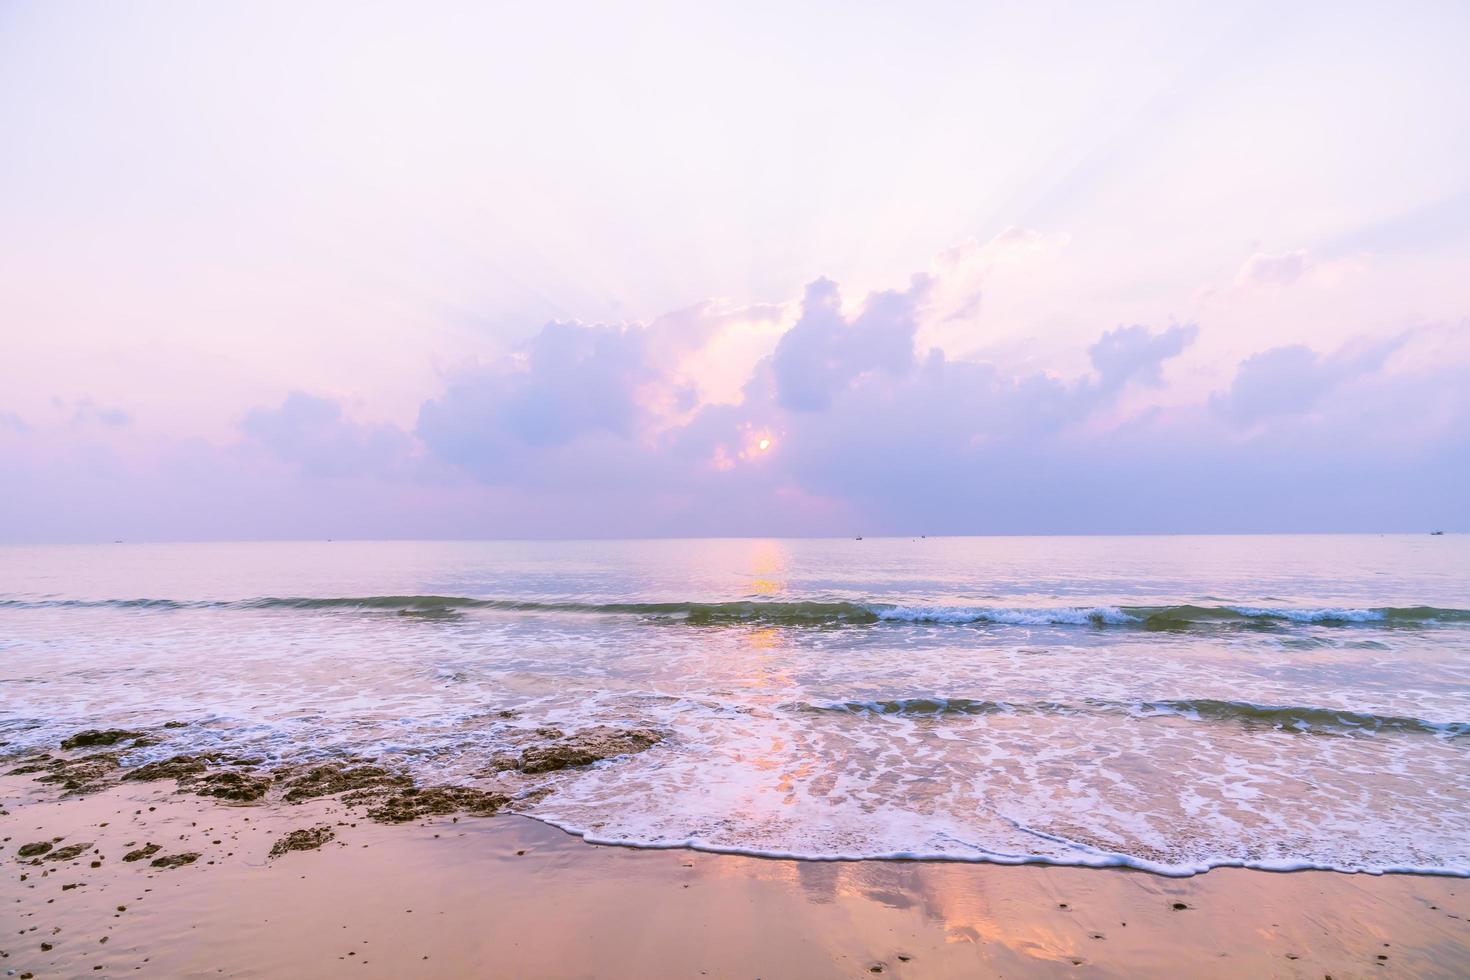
(241, 787)
(305, 839)
(330, 779)
(174, 768)
(93, 737)
(185, 767)
(33, 850)
(175, 860)
(77, 774)
(413, 803)
(142, 853)
(584, 748)
(40, 762)
(70, 852)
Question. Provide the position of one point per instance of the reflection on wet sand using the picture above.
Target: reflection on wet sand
(1228, 923)
(508, 896)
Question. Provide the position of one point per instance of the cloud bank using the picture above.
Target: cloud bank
(828, 415)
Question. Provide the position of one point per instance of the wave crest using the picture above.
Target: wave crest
(1305, 719)
(809, 613)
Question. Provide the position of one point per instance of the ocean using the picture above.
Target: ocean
(1172, 704)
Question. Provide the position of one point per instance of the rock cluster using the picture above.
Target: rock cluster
(93, 737)
(305, 839)
(581, 749)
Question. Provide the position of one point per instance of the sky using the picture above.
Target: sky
(392, 270)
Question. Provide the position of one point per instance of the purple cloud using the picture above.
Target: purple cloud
(312, 434)
(594, 430)
(1280, 269)
(84, 411)
(1290, 380)
(1135, 355)
(573, 380)
(825, 352)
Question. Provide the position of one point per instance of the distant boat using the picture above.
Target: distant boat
(1435, 534)
(858, 538)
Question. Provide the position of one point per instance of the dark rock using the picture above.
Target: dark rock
(174, 768)
(413, 803)
(69, 852)
(94, 736)
(31, 850)
(146, 851)
(334, 778)
(175, 860)
(38, 763)
(586, 747)
(231, 785)
(76, 774)
(305, 839)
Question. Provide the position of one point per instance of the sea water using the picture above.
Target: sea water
(1166, 703)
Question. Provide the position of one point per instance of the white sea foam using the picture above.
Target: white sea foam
(1079, 859)
(967, 709)
(1326, 615)
(1020, 616)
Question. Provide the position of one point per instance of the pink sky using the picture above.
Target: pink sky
(455, 270)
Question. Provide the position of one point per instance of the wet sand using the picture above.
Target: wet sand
(507, 896)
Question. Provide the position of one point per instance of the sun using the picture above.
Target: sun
(763, 445)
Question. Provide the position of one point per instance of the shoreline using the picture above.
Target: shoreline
(515, 896)
(1110, 862)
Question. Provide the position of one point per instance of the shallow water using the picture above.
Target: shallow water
(1172, 703)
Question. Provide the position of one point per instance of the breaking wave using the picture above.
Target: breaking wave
(1292, 718)
(808, 613)
(1072, 854)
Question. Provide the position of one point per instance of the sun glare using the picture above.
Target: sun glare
(764, 445)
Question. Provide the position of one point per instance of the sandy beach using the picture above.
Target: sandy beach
(456, 895)
(769, 491)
